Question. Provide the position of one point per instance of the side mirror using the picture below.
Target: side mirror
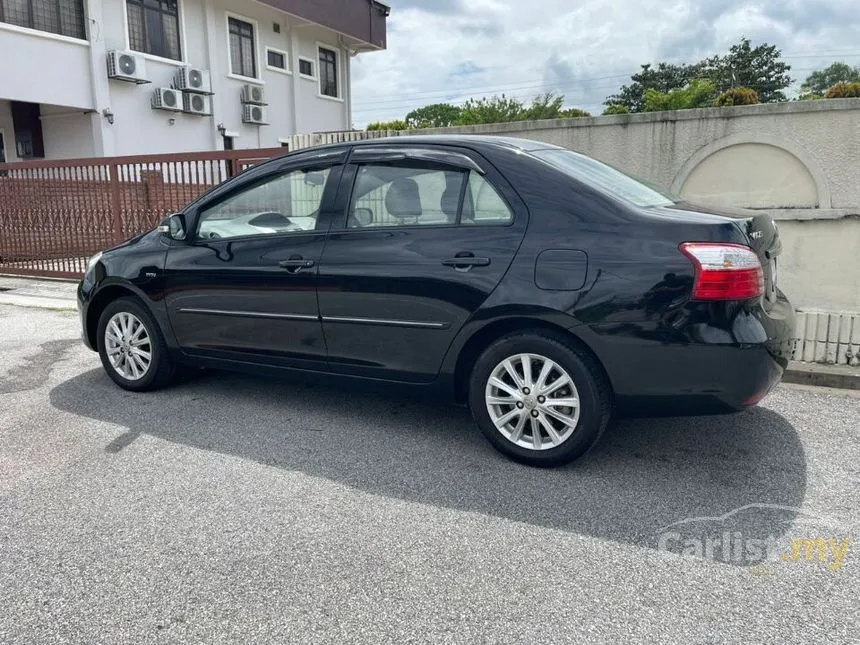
(173, 227)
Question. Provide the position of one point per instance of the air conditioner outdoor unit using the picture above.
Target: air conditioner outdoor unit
(166, 98)
(191, 79)
(255, 115)
(253, 94)
(125, 66)
(196, 104)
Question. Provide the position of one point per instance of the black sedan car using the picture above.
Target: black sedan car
(545, 289)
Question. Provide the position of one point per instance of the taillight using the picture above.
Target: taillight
(724, 271)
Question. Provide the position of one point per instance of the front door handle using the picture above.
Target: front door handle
(465, 261)
(296, 264)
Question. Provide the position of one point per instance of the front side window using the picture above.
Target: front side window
(153, 27)
(386, 195)
(63, 17)
(287, 203)
(594, 173)
(328, 73)
(242, 58)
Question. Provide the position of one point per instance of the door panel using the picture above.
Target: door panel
(394, 290)
(245, 287)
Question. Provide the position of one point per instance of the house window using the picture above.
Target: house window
(63, 17)
(276, 59)
(306, 67)
(242, 59)
(153, 27)
(328, 73)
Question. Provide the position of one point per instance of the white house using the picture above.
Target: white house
(91, 78)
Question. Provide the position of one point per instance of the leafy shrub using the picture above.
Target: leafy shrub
(843, 91)
(388, 125)
(699, 93)
(738, 96)
(573, 113)
(616, 108)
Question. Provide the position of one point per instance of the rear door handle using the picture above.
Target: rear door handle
(294, 265)
(466, 262)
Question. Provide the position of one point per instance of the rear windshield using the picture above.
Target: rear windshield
(594, 173)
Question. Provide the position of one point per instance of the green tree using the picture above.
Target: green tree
(438, 115)
(663, 78)
(387, 125)
(699, 93)
(759, 68)
(616, 108)
(822, 80)
(549, 106)
(498, 109)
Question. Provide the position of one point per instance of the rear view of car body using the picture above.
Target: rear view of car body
(674, 333)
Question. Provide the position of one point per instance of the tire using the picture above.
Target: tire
(126, 314)
(577, 429)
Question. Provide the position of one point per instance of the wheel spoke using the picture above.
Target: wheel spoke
(536, 442)
(544, 375)
(517, 433)
(509, 368)
(147, 356)
(553, 435)
(566, 402)
(504, 387)
(113, 351)
(557, 384)
(568, 421)
(526, 362)
(115, 331)
(501, 400)
(503, 420)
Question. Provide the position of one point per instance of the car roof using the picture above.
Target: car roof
(474, 141)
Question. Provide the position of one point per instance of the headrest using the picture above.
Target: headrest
(403, 199)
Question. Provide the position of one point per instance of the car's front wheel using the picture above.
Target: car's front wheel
(132, 348)
(538, 399)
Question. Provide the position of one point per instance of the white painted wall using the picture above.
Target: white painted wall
(67, 134)
(73, 74)
(41, 68)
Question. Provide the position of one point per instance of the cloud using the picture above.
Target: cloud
(451, 50)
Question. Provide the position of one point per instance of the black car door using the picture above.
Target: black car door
(423, 238)
(243, 287)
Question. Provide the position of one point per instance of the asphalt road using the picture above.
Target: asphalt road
(230, 509)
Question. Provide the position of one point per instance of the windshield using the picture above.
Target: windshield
(607, 178)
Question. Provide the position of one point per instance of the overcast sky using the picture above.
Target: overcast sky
(450, 50)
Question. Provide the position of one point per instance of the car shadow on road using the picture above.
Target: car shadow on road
(644, 475)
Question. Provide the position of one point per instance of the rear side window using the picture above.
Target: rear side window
(483, 204)
(594, 173)
(420, 195)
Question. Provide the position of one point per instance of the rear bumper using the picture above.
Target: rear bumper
(699, 367)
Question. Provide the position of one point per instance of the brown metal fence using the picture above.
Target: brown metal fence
(55, 214)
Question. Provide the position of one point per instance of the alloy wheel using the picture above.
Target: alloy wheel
(532, 401)
(128, 346)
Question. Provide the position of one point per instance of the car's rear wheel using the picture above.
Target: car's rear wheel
(539, 399)
(132, 348)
